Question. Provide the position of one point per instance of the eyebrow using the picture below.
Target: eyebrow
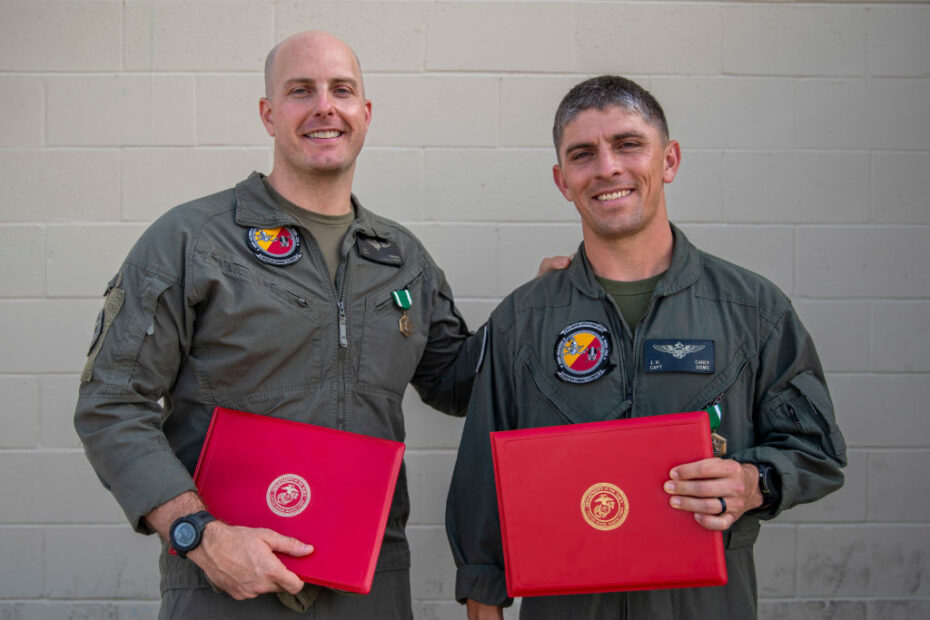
(336, 80)
(615, 138)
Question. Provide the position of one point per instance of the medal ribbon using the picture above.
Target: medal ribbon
(402, 298)
(716, 416)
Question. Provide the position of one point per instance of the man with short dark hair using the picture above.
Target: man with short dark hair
(685, 330)
(274, 297)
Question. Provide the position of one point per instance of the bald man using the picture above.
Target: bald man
(273, 297)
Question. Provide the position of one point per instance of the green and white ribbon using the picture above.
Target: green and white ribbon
(402, 298)
(716, 416)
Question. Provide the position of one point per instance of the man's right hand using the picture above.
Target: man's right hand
(241, 560)
(480, 611)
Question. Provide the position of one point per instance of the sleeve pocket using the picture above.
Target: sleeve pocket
(807, 403)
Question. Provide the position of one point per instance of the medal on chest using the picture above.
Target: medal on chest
(718, 442)
(403, 300)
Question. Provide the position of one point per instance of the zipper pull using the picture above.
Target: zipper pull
(343, 340)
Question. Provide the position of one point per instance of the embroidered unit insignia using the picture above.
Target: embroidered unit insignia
(582, 352)
(275, 246)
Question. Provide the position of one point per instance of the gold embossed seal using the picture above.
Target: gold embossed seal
(604, 506)
(288, 495)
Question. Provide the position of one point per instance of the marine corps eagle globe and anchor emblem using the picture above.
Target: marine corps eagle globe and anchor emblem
(288, 495)
(604, 506)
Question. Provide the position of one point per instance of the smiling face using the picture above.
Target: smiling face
(315, 108)
(614, 166)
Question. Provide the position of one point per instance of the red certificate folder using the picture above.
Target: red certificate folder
(583, 510)
(325, 487)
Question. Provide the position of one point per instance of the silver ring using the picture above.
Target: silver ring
(723, 506)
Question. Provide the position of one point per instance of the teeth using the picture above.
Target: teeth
(614, 195)
(324, 134)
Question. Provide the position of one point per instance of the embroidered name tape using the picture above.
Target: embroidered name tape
(679, 355)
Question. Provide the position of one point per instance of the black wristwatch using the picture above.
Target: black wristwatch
(187, 532)
(767, 485)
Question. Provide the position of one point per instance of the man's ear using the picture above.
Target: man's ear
(264, 110)
(560, 182)
(672, 161)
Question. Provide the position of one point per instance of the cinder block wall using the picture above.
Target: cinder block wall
(805, 129)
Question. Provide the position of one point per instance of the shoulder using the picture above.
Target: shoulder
(546, 292)
(727, 282)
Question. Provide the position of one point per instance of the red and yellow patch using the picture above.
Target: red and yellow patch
(582, 352)
(275, 246)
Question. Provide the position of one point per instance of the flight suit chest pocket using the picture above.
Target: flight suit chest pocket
(395, 332)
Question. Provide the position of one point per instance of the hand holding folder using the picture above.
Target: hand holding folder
(699, 486)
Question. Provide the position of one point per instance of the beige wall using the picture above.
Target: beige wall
(806, 137)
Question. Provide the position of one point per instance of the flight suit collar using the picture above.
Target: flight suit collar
(255, 207)
(684, 270)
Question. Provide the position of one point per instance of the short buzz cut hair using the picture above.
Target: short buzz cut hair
(604, 91)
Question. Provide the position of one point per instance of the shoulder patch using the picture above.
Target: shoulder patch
(582, 352)
(275, 246)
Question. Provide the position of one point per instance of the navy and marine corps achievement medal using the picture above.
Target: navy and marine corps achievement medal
(719, 442)
(403, 300)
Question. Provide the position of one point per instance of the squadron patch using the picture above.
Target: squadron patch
(275, 246)
(582, 352)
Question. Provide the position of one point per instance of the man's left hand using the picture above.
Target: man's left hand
(699, 486)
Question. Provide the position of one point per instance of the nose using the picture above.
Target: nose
(609, 163)
(323, 106)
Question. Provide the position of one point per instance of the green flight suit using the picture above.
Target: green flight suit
(759, 363)
(207, 312)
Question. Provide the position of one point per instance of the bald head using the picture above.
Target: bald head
(312, 40)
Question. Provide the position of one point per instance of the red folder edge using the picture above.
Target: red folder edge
(382, 519)
(705, 450)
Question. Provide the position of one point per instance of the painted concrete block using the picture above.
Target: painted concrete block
(771, 39)
(898, 487)
(848, 504)
(21, 574)
(22, 111)
(60, 36)
(58, 397)
(522, 247)
(901, 401)
(124, 565)
(19, 412)
(428, 476)
(101, 248)
(170, 36)
(116, 110)
(808, 610)
(751, 113)
(493, 185)
(774, 552)
(22, 254)
(55, 480)
(427, 428)
(227, 110)
(870, 262)
(497, 36)
(696, 194)
(528, 106)
(651, 38)
(64, 325)
(387, 36)
(796, 187)
(432, 573)
(885, 561)
(881, 113)
(906, 609)
(154, 180)
(468, 254)
(899, 194)
(84, 187)
(767, 250)
(75, 610)
(433, 110)
(900, 338)
(840, 330)
(390, 182)
(898, 42)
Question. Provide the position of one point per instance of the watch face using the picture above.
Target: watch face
(184, 535)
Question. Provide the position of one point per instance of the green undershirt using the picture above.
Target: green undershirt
(632, 298)
(327, 231)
